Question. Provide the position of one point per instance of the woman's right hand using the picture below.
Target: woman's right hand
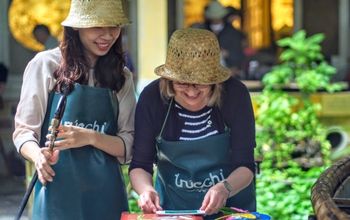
(149, 201)
(43, 162)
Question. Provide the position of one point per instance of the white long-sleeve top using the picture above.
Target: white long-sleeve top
(38, 81)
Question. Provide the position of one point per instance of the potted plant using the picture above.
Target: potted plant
(289, 134)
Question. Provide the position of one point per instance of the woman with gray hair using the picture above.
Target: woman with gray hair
(196, 124)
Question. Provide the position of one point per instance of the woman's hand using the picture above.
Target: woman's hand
(215, 199)
(43, 163)
(149, 202)
(71, 137)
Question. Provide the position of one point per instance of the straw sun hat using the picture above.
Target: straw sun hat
(95, 13)
(193, 57)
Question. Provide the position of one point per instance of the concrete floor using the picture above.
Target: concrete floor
(12, 190)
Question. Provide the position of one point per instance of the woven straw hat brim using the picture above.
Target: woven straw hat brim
(89, 24)
(217, 75)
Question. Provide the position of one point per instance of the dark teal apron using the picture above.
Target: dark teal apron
(88, 183)
(187, 169)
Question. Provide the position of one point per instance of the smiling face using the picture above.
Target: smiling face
(97, 41)
(193, 97)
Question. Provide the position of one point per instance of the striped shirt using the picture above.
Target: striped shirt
(195, 125)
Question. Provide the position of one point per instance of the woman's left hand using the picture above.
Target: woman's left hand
(71, 137)
(215, 199)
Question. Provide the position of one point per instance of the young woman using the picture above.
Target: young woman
(197, 124)
(81, 178)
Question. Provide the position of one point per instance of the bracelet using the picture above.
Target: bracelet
(227, 186)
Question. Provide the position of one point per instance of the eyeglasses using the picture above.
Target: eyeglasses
(188, 85)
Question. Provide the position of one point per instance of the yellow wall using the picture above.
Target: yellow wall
(152, 38)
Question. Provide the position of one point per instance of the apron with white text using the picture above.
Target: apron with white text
(187, 169)
(88, 184)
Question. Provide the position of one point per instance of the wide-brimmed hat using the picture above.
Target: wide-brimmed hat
(95, 13)
(193, 56)
(215, 10)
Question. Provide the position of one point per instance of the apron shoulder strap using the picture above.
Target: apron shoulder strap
(222, 118)
(159, 137)
(115, 103)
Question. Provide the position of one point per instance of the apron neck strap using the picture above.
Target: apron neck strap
(166, 118)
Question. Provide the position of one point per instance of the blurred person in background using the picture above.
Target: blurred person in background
(232, 41)
(43, 35)
(3, 80)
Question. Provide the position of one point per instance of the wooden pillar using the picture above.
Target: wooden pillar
(152, 38)
(4, 34)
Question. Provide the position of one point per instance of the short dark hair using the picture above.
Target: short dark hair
(41, 27)
(3, 73)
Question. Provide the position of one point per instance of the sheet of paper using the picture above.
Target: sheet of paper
(180, 212)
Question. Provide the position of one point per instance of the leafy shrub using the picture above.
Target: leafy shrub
(132, 196)
(290, 137)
